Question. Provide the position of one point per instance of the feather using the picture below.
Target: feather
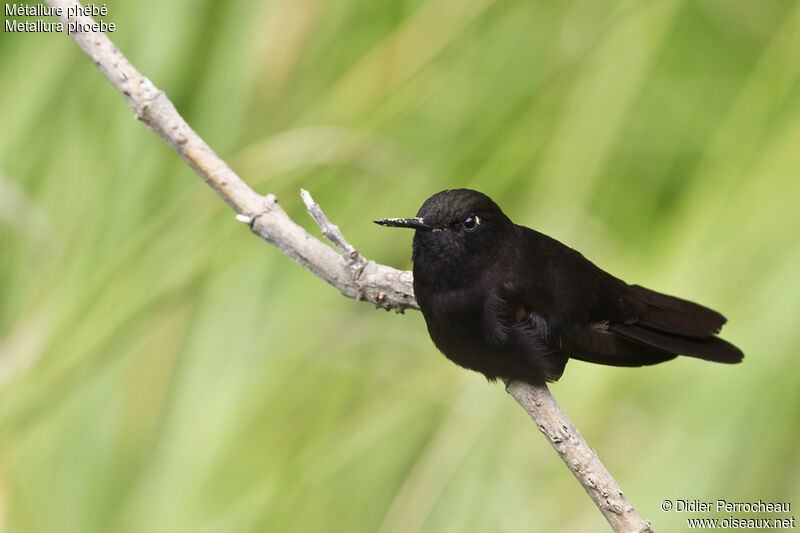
(675, 315)
(710, 349)
(598, 345)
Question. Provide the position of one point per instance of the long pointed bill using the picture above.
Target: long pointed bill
(415, 223)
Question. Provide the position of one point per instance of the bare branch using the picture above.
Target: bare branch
(578, 456)
(355, 277)
(346, 270)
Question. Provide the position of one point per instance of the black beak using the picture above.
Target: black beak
(415, 223)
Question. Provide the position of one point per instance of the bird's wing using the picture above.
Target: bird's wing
(594, 342)
(598, 344)
(676, 325)
(644, 327)
(597, 317)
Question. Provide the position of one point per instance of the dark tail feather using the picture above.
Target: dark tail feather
(677, 316)
(662, 328)
(606, 348)
(710, 348)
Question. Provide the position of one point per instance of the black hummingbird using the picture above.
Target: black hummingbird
(513, 303)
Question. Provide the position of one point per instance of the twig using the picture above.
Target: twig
(347, 270)
(355, 261)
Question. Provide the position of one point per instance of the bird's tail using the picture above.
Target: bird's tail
(679, 326)
(667, 327)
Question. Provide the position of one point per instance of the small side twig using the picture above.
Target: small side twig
(355, 261)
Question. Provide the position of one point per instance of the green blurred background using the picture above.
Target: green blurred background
(163, 370)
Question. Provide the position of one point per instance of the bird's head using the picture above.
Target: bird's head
(456, 230)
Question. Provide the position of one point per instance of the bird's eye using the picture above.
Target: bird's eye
(471, 222)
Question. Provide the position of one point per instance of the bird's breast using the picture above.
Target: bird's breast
(453, 317)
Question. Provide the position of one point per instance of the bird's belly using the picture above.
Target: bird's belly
(455, 321)
(454, 325)
(465, 345)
